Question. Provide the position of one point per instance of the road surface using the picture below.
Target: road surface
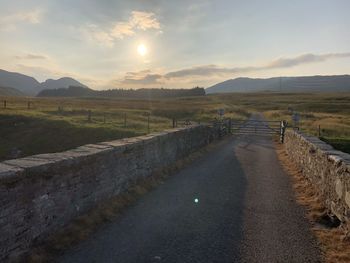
(234, 204)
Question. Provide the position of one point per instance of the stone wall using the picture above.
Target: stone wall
(326, 168)
(41, 193)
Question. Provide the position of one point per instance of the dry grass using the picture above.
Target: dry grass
(335, 248)
(82, 227)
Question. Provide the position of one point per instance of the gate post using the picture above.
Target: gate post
(283, 125)
(229, 125)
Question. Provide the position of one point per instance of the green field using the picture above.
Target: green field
(52, 125)
(57, 124)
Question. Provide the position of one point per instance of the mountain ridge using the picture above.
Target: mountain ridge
(26, 84)
(30, 86)
(64, 82)
(317, 83)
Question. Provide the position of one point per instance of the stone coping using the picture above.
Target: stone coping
(13, 169)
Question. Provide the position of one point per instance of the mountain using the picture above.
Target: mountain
(23, 83)
(338, 83)
(30, 86)
(6, 91)
(60, 83)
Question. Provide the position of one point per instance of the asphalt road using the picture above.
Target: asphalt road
(245, 212)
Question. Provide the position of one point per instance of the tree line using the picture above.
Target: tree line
(76, 91)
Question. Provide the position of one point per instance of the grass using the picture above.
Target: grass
(52, 125)
(329, 111)
(37, 135)
(327, 115)
(57, 124)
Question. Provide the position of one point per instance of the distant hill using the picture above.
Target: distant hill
(76, 91)
(6, 91)
(72, 91)
(23, 83)
(338, 83)
(60, 83)
(30, 86)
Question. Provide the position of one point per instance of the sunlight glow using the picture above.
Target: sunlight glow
(142, 50)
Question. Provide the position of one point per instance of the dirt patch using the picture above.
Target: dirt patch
(327, 229)
(82, 227)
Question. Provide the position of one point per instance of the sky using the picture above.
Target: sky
(173, 44)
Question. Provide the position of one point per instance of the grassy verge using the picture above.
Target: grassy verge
(332, 241)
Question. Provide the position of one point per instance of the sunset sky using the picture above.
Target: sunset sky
(173, 44)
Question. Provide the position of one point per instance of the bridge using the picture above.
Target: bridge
(233, 204)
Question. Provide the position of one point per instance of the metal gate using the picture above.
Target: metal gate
(258, 127)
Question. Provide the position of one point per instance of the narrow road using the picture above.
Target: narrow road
(234, 204)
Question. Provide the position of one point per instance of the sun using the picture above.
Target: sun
(142, 50)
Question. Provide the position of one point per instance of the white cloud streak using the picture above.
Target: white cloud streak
(11, 22)
(209, 70)
(30, 56)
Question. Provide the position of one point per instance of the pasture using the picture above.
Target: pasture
(40, 125)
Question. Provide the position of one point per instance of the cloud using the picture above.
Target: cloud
(145, 77)
(120, 29)
(199, 73)
(31, 56)
(94, 33)
(206, 70)
(209, 70)
(10, 22)
(143, 20)
(305, 58)
(145, 80)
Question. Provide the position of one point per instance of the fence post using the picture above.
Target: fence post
(148, 128)
(319, 131)
(173, 122)
(28, 106)
(222, 128)
(89, 116)
(5, 104)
